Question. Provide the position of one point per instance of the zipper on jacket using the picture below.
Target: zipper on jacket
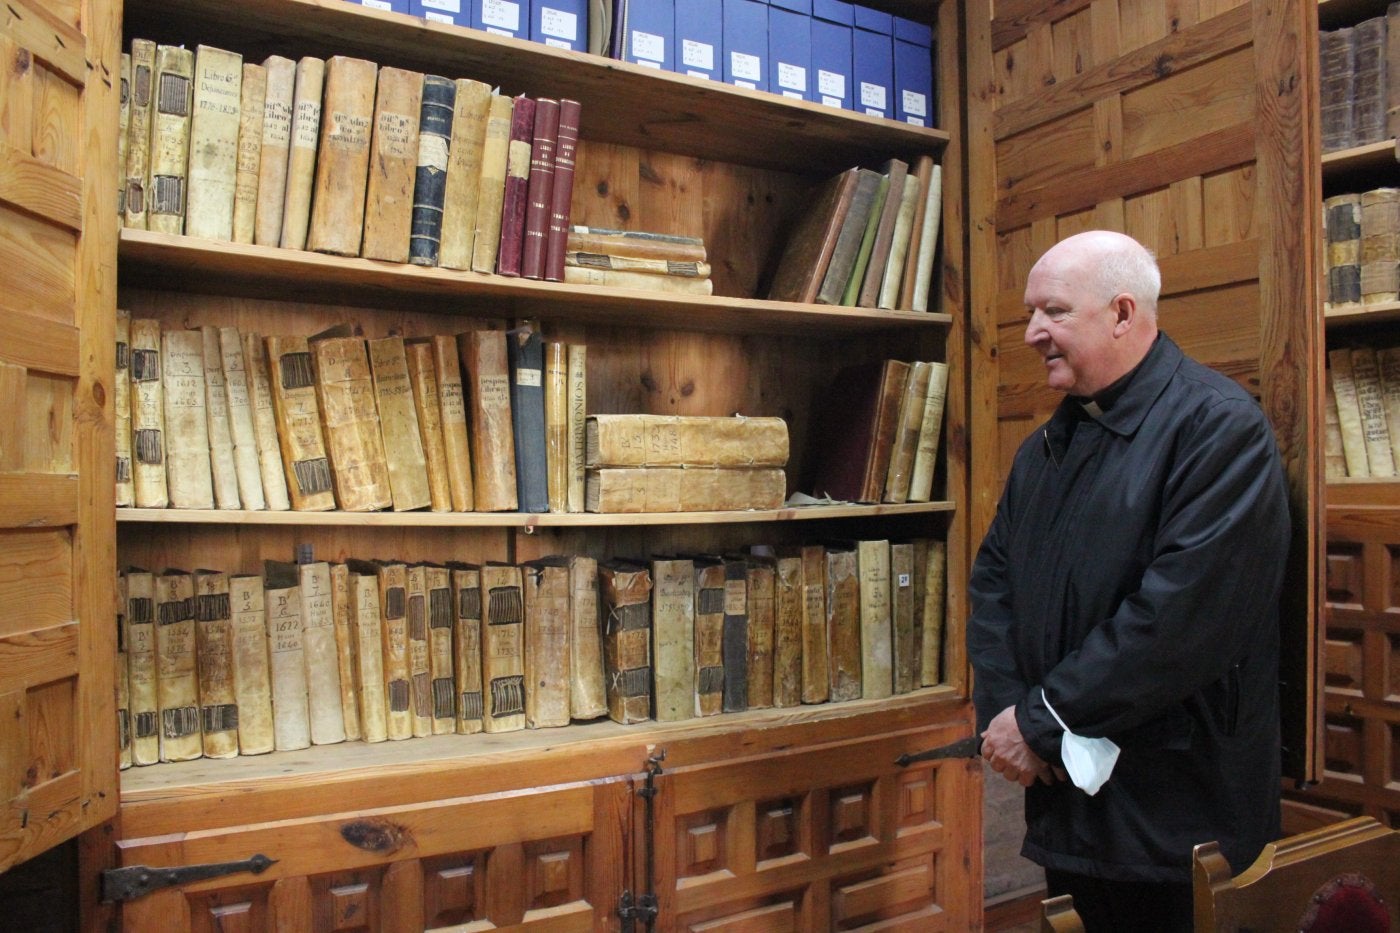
(1049, 448)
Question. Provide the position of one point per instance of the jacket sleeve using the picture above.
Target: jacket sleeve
(1212, 582)
(997, 681)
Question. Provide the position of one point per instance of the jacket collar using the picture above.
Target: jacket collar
(1133, 397)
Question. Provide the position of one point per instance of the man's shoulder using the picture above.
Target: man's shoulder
(1197, 382)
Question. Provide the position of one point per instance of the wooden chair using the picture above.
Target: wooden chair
(1343, 878)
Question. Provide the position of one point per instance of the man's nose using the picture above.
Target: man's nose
(1035, 328)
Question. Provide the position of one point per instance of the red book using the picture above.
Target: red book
(556, 240)
(522, 128)
(540, 190)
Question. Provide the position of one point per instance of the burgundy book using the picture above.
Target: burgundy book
(561, 201)
(522, 129)
(540, 189)
(856, 430)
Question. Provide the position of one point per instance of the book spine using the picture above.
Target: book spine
(587, 695)
(787, 631)
(876, 649)
(561, 197)
(495, 153)
(1337, 77)
(420, 662)
(213, 155)
(893, 273)
(1348, 412)
(577, 419)
(342, 160)
(393, 165)
(904, 637)
(556, 424)
(1370, 398)
(673, 624)
(898, 172)
(462, 190)
(466, 646)
(123, 128)
(515, 195)
(1380, 245)
(709, 637)
(759, 583)
(526, 351)
(606, 262)
(121, 404)
(847, 251)
(403, 439)
(851, 294)
(492, 436)
(393, 617)
(932, 614)
(923, 171)
(251, 107)
(149, 485)
(440, 624)
(252, 671)
(1343, 235)
(369, 656)
(905, 445)
(177, 675)
(884, 427)
(170, 140)
(453, 416)
(301, 151)
(298, 417)
(638, 281)
(187, 465)
(343, 612)
(218, 702)
(816, 646)
(225, 472)
(240, 416)
(274, 477)
(122, 685)
(138, 132)
(626, 597)
(634, 245)
(683, 489)
(547, 657)
(843, 602)
(1369, 81)
(540, 187)
(140, 640)
(735, 637)
(321, 654)
(291, 717)
(1334, 446)
(430, 174)
(345, 398)
(276, 143)
(928, 242)
(638, 440)
(503, 650)
(428, 407)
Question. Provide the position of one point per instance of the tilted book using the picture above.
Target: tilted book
(861, 266)
(816, 646)
(625, 590)
(369, 651)
(812, 240)
(274, 476)
(930, 431)
(673, 625)
(453, 401)
(441, 621)
(121, 404)
(1370, 399)
(342, 157)
(846, 252)
(587, 694)
(854, 438)
(897, 170)
(403, 440)
(759, 584)
(286, 645)
(345, 397)
(922, 170)
(292, 381)
(247, 472)
(225, 471)
(218, 701)
(932, 613)
(138, 133)
(466, 645)
(892, 276)
(393, 165)
(843, 623)
(709, 635)
(539, 193)
(1348, 412)
(517, 179)
(393, 619)
(187, 466)
(525, 350)
(149, 487)
(177, 668)
(301, 150)
(422, 377)
(1335, 464)
(578, 415)
(170, 140)
(252, 105)
(276, 142)
(908, 421)
(556, 424)
(213, 166)
(462, 190)
(683, 489)
(430, 174)
(548, 678)
(252, 668)
(143, 690)
(636, 440)
(486, 241)
(343, 612)
(493, 439)
(876, 634)
(561, 197)
(420, 663)
(322, 653)
(735, 637)
(503, 648)
(932, 222)
(787, 629)
(904, 637)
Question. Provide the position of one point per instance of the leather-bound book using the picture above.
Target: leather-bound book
(286, 643)
(354, 445)
(845, 253)
(734, 640)
(683, 489)
(430, 174)
(276, 143)
(525, 350)
(556, 424)
(876, 633)
(922, 170)
(503, 648)
(466, 645)
(213, 168)
(892, 276)
(932, 614)
(213, 636)
(1337, 80)
(867, 244)
(456, 442)
(170, 140)
(493, 439)
(515, 194)
(393, 165)
(547, 657)
(578, 414)
(636, 440)
(812, 240)
(495, 153)
(422, 376)
(908, 421)
(264, 409)
(539, 191)
(121, 404)
(843, 619)
(301, 151)
(816, 646)
(625, 590)
(608, 262)
(187, 466)
(221, 462)
(369, 651)
(420, 664)
(462, 191)
(637, 281)
(1342, 229)
(138, 133)
(140, 639)
(855, 435)
(759, 581)
(177, 668)
(342, 162)
(319, 646)
(673, 626)
(240, 419)
(930, 430)
(1368, 106)
(304, 460)
(392, 579)
(709, 635)
(587, 695)
(896, 170)
(149, 487)
(787, 629)
(561, 197)
(252, 668)
(343, 611)
(403, 439)
(252, 104)
(441, 619)
(904, 637)
(1392, 71)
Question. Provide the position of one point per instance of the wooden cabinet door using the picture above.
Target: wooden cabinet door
(1191, 125)
(58, 224)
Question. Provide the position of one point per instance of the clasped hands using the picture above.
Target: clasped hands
(1007, 752)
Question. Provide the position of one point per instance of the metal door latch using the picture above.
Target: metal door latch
(127, 884)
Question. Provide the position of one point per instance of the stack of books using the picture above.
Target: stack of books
(637, 259)
(1362, 258)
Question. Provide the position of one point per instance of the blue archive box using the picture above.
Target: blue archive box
(872, 60)
(746, 43)
(651, 27)
(455, 12)
(832, 22)
(390, 6)
(913, 72)
(562, 24)
(502, 17)
(700, 39)
(790, 48)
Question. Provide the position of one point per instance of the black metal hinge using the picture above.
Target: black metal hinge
(127, 884)
(632, 908)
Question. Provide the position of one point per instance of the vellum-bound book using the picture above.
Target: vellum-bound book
(342, 162)
(876, 650)
(491, 191)
(471, 103)
(393, 165)
(170, 140)
(816, 649)
(218, 701)
(466, 645)
(759, 581)
(588, 697)
(493, 440)
(251, 110)
(625, 590)
(456, 442)
(931, 616)
(291, 722)
(503, 648)
(345, 395)
(147, 417)
(187, 466)
(403, 441)
(301, 150)
(709, 636)
(123, 683)
(121, 403)
(578, 414)
(291, 377)
(419, 656)
(138, 132)
(393, 615)
(556, 424)
(787, 630)
(684, 440)
(441, 620)
(322, 655)
(141, 666)
(547, 625)
(906, 433)
(240, 419)
(673, 622)
(422, 376)
(264, 413)
(904, 636)
(930, 430)
(252, 670)
(213, 166)
(343, 609)
(177, 674)
(843, 623)
(276, 141)
(369, 651)
(221, 462)
(683, 489)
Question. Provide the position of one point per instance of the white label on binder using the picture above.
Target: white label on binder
(502, 14)
(697, 54)
(649, 46)
(872, 95)
(559, 23)
(831, 84)
(744, 65)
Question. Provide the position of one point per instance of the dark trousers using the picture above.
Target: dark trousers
(1124, 906)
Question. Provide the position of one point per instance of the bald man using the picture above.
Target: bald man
(1128, 590)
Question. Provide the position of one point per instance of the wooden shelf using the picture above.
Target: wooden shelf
(165, 262)
(1364, 492)
(1362, 314)
(1370, 157)
(622, 103)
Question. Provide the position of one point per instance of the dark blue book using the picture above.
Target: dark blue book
(526, 352)
(430, 181)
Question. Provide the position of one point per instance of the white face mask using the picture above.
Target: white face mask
(1088, 761)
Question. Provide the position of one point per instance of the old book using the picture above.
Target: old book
(637, 244)
(1368, 105)
(843, 622)
(252, 104)
(876, 635)
(121, 405)
(515, 194)
(788, 599)
(270, 469)
(170, 140)
(1337, 78)
(342, 158)
(139, 636)
(636, 440)
(1343, 252)
(1370, 399)
(561, 196)
(587, 695)
(922, 169)
(420, 664)
(1392, 70)
(461, 193)
(928, 242)
(503, 649)
(403, 439)
(177, 667)
(222, 465)
(138, 133)
(683, 489)
(735, 638)
(393, 165)
(298, 419)
(370, 683)
(577, 419)
(422, 376)
(1380, 245)
(495, 152)
(452, 401)
(301, 151)
(430, 173)
(493, 439)
(525, 351)
(213, 155)
(893, 274)
(855, 436)
(252, 670)
(343, 612)
(637, 281)
(846, 252)
(240, 417)
(187, 466)
(322, 653)
(905, 659)
(930, 431)
(673, 627)
(759, 585)
(213, 635)
(548, 676)
(932, 613)
(539, 192)
(709, 635)
(812, 239)
(276, 143)
(441, 621)
(556, 424)
(286, 645)
(466, 645)
(908, 421)
(610, 263)
(149, 487)
(122, 685)
(354, 445)
(625, 594)
(856, 279)
(897, 170)
(1388, 364)
(1348, 411)
(816, 645)
(1335, 463)
(392, 577)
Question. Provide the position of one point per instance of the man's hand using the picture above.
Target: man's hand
(1008, 753)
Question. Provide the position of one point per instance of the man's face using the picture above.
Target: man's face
(1070, 327)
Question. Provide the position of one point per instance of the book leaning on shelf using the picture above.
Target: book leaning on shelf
(1363, 412)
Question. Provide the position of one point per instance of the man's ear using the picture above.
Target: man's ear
(1125, 309)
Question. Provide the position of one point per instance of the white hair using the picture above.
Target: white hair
(1122, 264)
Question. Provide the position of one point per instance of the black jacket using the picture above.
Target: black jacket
(1133, 573)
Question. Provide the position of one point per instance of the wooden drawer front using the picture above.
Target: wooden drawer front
(547, 860)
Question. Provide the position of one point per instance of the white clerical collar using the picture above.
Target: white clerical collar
(1092, 409)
